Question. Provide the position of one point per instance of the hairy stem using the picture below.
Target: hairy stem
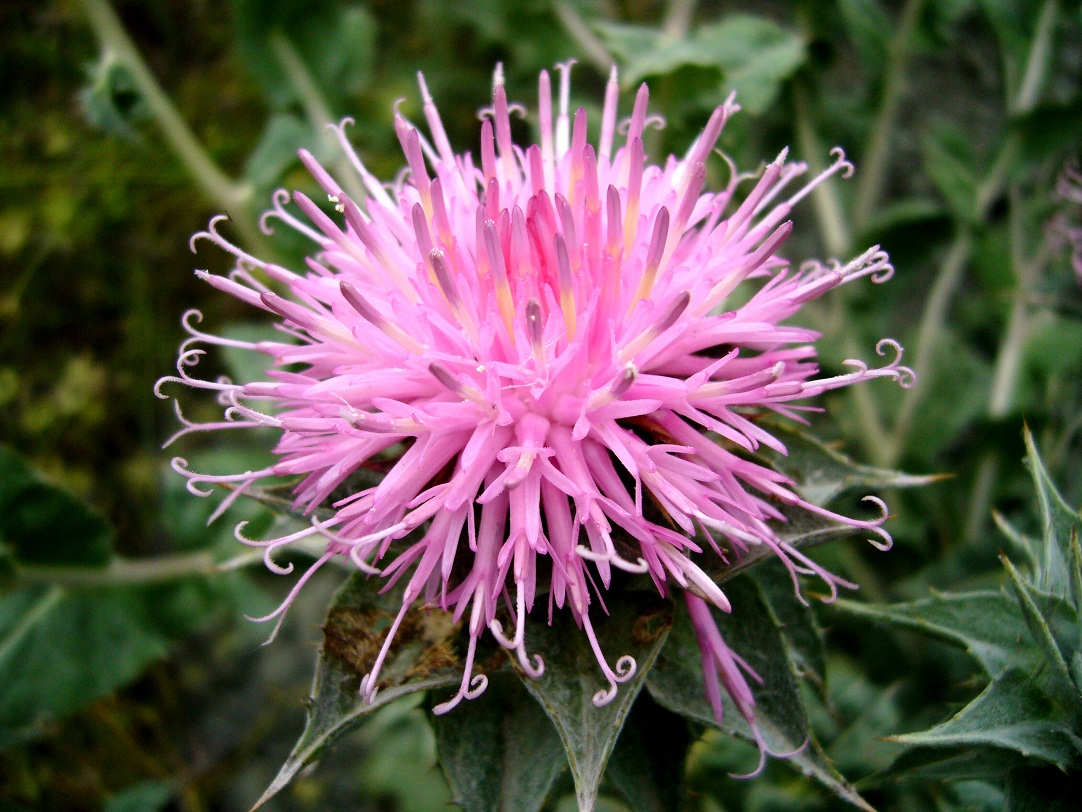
(931, 324)
(316, 109)
(876, 155)
(592, 48)
(120, 571)
(828, 208)
(938, 303)
(1008, 360)
(157, 570)
(221, 190)
(114, 39)
(678, 16)
(1037, 63)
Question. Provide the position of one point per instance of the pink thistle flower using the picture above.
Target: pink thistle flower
(1064, 228)
(538, 346)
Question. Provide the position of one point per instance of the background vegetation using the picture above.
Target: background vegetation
(128, 687)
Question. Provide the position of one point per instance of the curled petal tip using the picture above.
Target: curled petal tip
(604, 696)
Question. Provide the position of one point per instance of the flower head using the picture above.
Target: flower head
(1064, 226)
(537, 347)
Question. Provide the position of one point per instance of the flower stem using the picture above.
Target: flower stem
(939, 299)
(931, 323)
(874, 161)
(1008, 360)
(592, 48)
(214, 183)
(120, 571)
(1038, 60)
(316, 108)
(828, 207)
(678, 16)
(834, 232)
(935, 310)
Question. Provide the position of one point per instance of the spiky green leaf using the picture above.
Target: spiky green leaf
(823, 473)
(1014, 713)
(499, 752)
(422, 657)
(752, 632)
(637, 625)
(1059, 563)
(989, 625)
(647, 766)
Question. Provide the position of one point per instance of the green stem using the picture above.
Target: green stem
(114, 39)
(315, 106)
(25, 625)
(592, 48)
(876, 155)
(938, 303)
(316, 109)
(215, 184)
(1038, 60)
(678, 16)
(834, 232)
(980, 497)
(935, 311)
(931, 324)
(1008, 361)
(120, 571)
(828, 208)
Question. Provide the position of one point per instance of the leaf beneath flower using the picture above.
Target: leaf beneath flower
(647, 766)
(422, 657)
(801, 529)
(751, 631)
(823, 473)
(800, 632)
(637, 625)
(499, 751)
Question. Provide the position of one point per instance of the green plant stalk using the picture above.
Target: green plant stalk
(837, 239)
(225, 193)
(833, 228)
(316, 109)
(947, 280)
(937, 306)
(939, 299)
(876, 156)
(1008, 361)
(1009, 357)
(119, 571)
(678, 16)
(123, 571)
(1037, 63)
(578, 29)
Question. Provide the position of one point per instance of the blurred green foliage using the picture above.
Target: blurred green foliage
(960, 117)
